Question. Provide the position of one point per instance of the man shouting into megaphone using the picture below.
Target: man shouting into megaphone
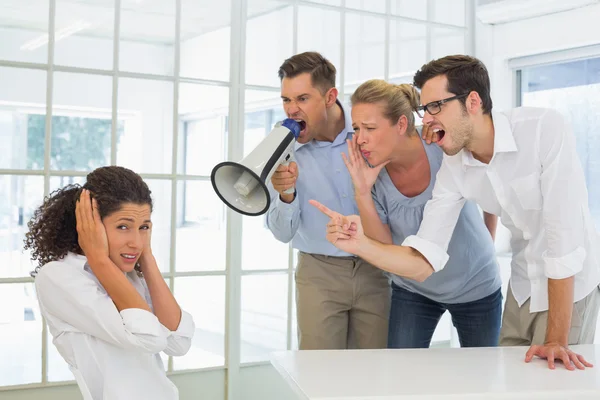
(342, 301)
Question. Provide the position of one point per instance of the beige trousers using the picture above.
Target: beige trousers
(522, 328)
(342, 302)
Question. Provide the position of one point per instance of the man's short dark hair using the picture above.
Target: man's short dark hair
(322, 71)
(464, 74)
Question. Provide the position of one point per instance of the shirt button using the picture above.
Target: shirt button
(344, 195)
(337, 170)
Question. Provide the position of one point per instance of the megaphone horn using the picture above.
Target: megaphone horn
(243, 186)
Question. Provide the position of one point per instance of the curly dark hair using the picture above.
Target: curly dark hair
(53, 227)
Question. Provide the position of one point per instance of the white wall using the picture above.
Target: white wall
(496, 45)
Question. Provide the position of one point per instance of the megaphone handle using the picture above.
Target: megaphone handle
(287, 162)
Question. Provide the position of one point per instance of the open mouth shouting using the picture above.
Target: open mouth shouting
(440, 133)
(302, 124)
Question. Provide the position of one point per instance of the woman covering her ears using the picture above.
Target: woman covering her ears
(107, 305)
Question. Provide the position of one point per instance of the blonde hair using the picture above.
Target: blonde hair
(398, 100)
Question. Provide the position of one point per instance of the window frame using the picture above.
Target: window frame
(234, 151)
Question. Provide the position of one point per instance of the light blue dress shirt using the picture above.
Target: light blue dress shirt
(323, 177)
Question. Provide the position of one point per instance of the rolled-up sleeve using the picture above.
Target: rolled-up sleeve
(564, 197)
(435, 255)
(439, 219)
(180, 341)
(81, 303)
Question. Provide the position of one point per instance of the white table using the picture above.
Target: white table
(440, 374)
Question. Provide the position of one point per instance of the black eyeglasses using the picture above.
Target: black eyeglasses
(436, 106)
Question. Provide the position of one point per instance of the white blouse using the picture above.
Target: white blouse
(113, 355)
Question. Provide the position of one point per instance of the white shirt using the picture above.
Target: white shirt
(113, 355)
(535, 183)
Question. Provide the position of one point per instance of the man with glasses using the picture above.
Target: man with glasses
(520, 165)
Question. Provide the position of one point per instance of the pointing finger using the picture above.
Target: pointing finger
(323, 209)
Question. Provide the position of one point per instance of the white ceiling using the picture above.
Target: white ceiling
(153, 21)
(505, 11)
(141, 20)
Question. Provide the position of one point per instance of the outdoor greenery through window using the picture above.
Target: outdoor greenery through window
(78, 143)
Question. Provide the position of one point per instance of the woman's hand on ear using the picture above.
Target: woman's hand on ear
(147, 257)
(90, 229)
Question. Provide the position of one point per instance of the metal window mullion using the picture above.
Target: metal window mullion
(84, 70)
(290, 299)
(55, 172)
(175, 151)
(24, 386)
(235, 150)
(112, 72)
(22, 279)
(518, 88)
(179, 177)
(290, 269)
(207, 82)
(115, 83)
(295, 28)
(49, 94)
(47, 153)
(26, 279)
(23, 64)
(428, 29)
(470, 22)
(194, 274)
(255, 272)
(263, 88)
(26, 172)
(386, 57)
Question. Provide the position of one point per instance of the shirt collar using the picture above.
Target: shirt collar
(341, 137)
(76, 259)
(504, 141)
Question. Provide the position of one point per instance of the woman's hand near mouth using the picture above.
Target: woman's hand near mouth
(363, 176)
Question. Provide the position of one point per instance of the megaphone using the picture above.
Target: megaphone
(243, 186)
